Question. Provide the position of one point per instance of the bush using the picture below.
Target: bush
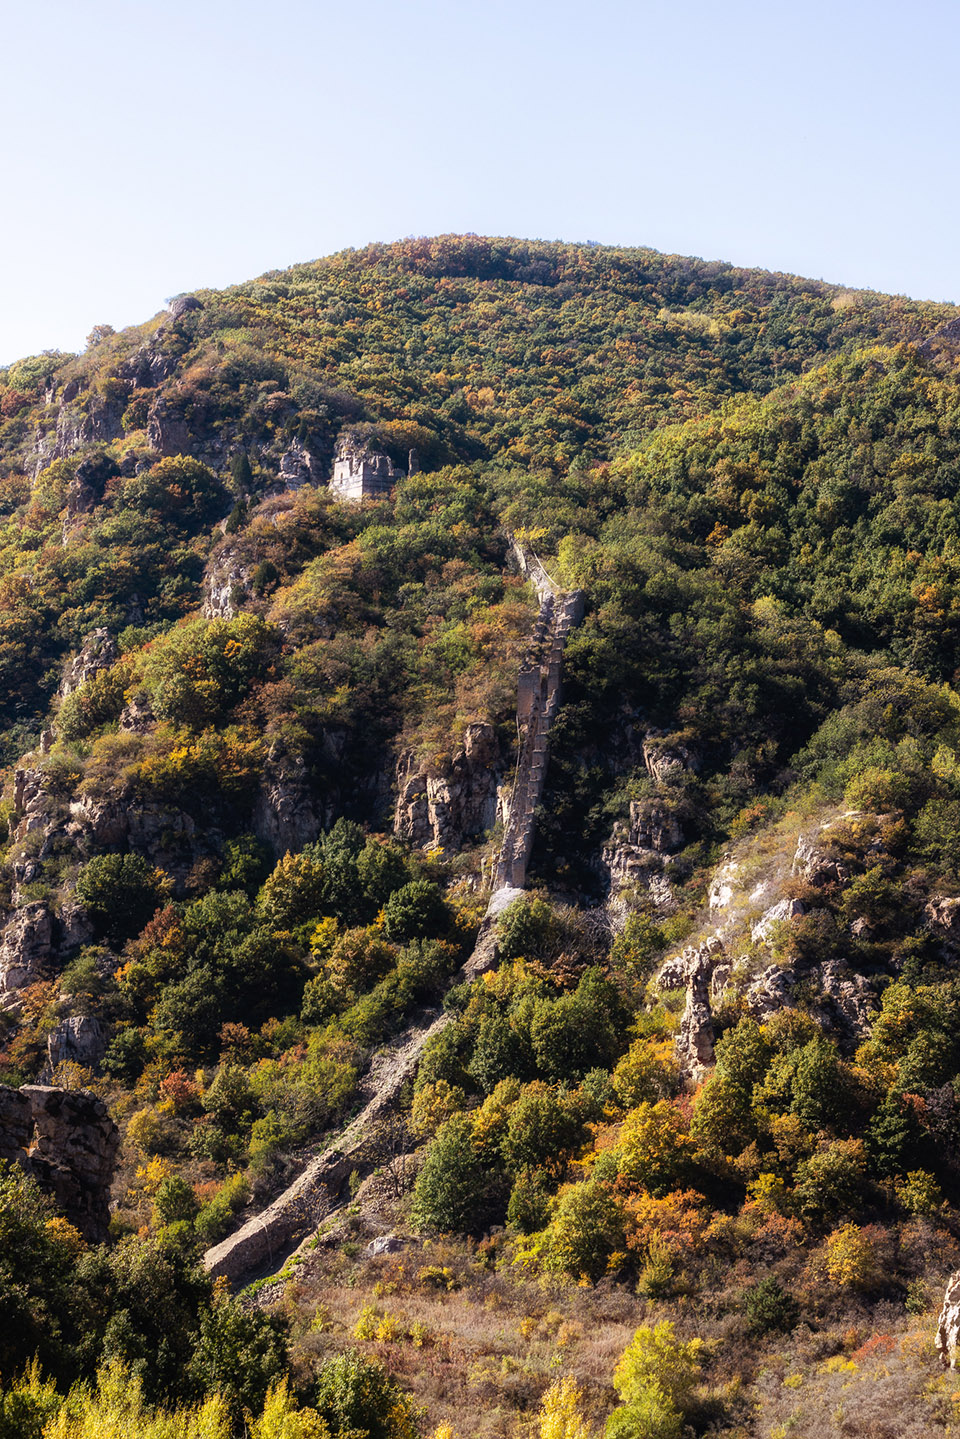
(356, 1396)
(120, 892)
(174, 1201)
(851, 1258)
(529, 1207)
(293, 893)
(415, 911)
(450, 1186)
(655, 1380)
(770, 1308)
(525, 929)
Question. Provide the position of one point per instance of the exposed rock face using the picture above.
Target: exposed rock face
(147, 367)
(137, 717)
(67, 1141)
(638, 854)
(693, 969)
(770, 991)
(167, 431)
(296, 467)
(667, 758)
(98, 652)
(779, 913)
(25, 950)
(81, 1039)
(724, 885)
(163, 835)
(812, 860)
(285, 815)
(455, 805)
(225, 584)
(948, 1329)
(695, 1039)
(943, 914)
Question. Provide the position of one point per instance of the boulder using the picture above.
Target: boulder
(384, 1244)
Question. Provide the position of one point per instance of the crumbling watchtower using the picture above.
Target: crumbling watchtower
(362, 474)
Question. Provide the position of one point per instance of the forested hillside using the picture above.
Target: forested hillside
(681, 1156)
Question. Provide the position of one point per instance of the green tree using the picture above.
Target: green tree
(355, 1395)
(120, 892)
(416, 910)
(450, 1186)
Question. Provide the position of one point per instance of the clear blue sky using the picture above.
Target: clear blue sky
(156, 146)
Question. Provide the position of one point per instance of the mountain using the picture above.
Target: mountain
(483, 783)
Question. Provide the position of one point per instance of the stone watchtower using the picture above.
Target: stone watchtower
(361, 474)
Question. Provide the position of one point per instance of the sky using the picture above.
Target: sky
(152, 147)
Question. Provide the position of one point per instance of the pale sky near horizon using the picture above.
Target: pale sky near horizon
(156, 146)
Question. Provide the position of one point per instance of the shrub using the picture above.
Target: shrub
(415, 910)
(174, 1201)
(120, 892)
(770, 1308)
(655, 1151)
(525, 929)
(529, 1206)
(561, 1412)
(878, 789)
(851, 1257)
(355, 1396)
(655, 1380)
(449, 1188)
(586, 1231)
(293, 893)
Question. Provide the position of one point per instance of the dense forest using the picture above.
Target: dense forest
(684, 1161)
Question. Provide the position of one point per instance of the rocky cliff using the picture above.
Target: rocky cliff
(67, 1141)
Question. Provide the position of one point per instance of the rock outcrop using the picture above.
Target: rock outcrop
(67, 1141)
(455, 803)
(225, 583)
(948, 1328)
(80, 1039)
(97, 652)
(297, 467)
(285, 815)
(26, 944)
(639, 853)
(695, 1039)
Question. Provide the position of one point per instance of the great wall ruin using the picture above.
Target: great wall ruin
(264, 1241)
